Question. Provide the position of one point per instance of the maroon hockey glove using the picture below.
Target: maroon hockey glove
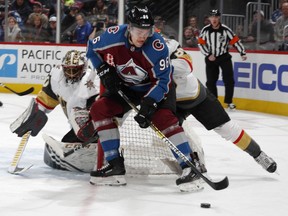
(147, 109)
(87, 131)
(109, 77)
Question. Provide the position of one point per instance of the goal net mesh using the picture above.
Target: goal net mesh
(144, 152)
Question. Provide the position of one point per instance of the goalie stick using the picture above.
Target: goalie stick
(215, 185)
(26, 92)
(13, 168)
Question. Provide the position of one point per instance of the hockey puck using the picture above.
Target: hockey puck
(205, 205)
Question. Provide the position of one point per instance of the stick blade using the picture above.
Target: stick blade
(221, 184)
(18, 170)
(28, 91)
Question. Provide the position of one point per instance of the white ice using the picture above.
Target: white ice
(43, 191)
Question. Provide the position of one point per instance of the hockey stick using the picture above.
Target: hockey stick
(28, 91)
(215, 185)
(13, 168)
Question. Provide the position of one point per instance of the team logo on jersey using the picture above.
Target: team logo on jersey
(90, 84)
(8, 63)
(132, 73)
(221, 39)
(113, 29)
(157, 45)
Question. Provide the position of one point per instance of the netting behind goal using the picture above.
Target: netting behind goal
(144, 152)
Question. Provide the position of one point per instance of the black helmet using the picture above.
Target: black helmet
(141, 17)
(215, 12)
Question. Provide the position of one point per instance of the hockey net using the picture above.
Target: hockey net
(144, 152)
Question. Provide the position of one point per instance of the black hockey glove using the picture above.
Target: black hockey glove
(109, 77)
(147, 109)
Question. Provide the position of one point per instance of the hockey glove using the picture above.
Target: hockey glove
(147, 109)
(32, 119)
(109, 77)
(82, 124)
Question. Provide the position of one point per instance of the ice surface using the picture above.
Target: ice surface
(43, 191)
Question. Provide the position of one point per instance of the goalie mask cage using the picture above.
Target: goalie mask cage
(143, 151)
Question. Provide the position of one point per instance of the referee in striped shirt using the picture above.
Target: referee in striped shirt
(214, 41)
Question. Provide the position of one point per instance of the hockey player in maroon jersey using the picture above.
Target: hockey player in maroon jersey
(133, 58)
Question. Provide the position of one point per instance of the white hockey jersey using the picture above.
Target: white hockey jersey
(56, 90)
(187, 84)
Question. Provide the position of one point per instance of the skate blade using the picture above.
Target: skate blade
(108, 181)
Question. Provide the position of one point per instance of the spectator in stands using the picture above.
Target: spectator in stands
(281, 24)
(18, 18)
(284, 45)
(49, 6)
(82, 30)
(13, 31)
(277, 13)
(69, 19)
(193, 22)
(38, 10)
(266, 33)
(240, 31)
(23, 8)
(52, 29)
(112, 10)
(190, 40)
(37, 32)
(162, 28)
(99, 8)
(206, 20)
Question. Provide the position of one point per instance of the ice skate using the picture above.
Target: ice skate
(231, 107)
(112, 174)
(189, 181)
(266, 162)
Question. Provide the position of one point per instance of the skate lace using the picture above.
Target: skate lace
(104, 168)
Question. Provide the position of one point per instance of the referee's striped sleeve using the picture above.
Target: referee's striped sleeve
(202, 44)
(235, 41)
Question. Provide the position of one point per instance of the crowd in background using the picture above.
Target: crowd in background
(273, 31)
(35, 21)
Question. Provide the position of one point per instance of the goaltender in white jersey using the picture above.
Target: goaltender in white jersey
(70, 85)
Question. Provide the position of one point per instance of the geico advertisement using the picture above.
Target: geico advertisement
(260, 77)
(30, 63)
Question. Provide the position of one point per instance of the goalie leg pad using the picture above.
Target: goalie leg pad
(82, 160)
(32, 119)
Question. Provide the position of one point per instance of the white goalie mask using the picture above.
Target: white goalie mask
(74, 65)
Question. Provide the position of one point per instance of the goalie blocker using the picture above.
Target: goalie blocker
(32, 119)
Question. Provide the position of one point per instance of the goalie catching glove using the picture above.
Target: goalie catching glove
(82, 124)
(109, 77)
(32, 119)
(147, 109)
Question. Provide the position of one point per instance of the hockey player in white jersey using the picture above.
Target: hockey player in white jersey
(194, 99)
(70, 85)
